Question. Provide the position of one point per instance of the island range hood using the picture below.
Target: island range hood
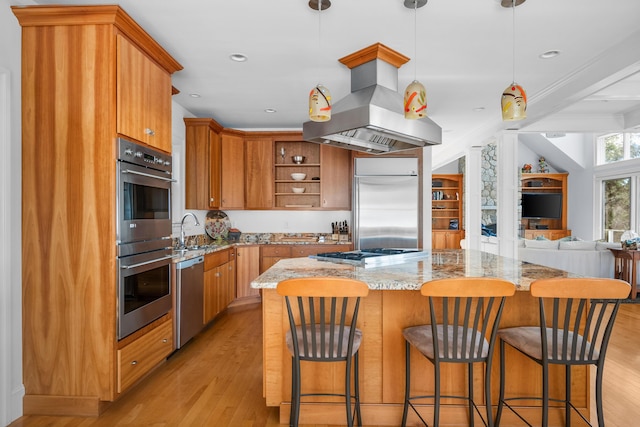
(371, 117)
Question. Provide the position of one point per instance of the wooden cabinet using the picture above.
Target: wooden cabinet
(248, 268)
(446, 239)
(446, 211)
(143, 97)
(259, 176)
(545, 183)
(232, 171)
(271, 254)
(76, 63)
(219, 282)
(336, 173)
(202, 152)
(214, 166)
(140, 356)
(327, 182)
(547, 234)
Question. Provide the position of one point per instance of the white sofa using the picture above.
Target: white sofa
(593, 259)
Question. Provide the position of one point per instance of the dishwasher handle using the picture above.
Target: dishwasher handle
(189, 262)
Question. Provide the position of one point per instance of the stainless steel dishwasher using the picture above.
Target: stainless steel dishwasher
(188, 313)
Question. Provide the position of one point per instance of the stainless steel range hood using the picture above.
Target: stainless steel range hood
(371, 117)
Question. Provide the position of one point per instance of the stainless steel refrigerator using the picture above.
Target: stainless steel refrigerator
(386, 203)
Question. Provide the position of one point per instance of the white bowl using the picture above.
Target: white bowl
(297, 189)
(298, 176)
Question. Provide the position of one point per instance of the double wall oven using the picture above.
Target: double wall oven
(143, 242)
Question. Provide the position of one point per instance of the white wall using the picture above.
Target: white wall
(11, 387)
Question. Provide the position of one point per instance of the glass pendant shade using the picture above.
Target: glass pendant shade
(415, 101)
(514, 103)
(320, 104)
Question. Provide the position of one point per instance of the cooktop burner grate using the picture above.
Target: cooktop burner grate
(372, 257)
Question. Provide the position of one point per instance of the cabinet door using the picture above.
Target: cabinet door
(200, 151)
(439, 240)
(232, 172)
(336, 179)
(143, 97)
(259, 176)
(210, 294)
(248, 268)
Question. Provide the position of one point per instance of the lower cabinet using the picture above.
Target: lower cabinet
(547, 234)
(219, 282)
(248, 268)
(271, 254)
(140, 356)
(446, 239)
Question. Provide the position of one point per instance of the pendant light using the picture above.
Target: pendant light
(319, 97)
(514, 98)
(415, 95)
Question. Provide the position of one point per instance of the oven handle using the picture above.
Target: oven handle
(126, 267)
(148, 175)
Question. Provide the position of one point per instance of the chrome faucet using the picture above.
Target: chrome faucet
(182, 246)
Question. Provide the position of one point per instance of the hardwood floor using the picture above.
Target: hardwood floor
(216, 380)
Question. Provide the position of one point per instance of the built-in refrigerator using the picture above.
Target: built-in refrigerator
(386, 203)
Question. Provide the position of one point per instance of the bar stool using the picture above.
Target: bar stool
(464, 314)
(577, 305)
(323, 312)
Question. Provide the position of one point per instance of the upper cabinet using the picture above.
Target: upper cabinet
(229, 169)
(320, 179)
(259, 172)
(143, 97)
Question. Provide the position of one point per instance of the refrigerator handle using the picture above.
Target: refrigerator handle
(355, 223)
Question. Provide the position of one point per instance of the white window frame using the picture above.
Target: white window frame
(626, 148)
(616, 170)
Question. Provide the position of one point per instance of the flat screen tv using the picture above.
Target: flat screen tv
(542, 205)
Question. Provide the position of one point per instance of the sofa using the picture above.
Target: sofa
(587, 258)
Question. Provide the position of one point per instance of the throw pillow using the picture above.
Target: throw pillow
(541, 238)
(578, 245)
(602, 246)
(541, 244)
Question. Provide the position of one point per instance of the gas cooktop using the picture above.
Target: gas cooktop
(372, 257)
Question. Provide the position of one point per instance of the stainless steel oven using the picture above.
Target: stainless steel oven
(143, 236)
(144, 288)
(144, 193)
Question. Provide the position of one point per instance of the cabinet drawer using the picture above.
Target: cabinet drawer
(143, 354)
(215, 259)
(276, 250)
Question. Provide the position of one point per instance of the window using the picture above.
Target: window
(615, 147)
(617, 208)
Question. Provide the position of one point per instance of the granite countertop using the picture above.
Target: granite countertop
(410, 275)
(179, 256)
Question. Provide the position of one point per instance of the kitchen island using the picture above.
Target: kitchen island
(393, 304)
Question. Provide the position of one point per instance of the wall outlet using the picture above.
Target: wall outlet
(286, 225)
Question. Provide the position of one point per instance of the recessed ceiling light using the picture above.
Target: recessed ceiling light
(194, 95)
(478, 109)
(270, 110)
(549, 54)
(238, 57)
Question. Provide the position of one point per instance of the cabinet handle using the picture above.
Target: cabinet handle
(217, 274)
(149, 132)
(165, 340)
(212, 199)
(134, 362)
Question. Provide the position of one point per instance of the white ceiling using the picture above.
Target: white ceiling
(463, 57)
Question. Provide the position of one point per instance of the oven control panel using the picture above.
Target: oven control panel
(141, 155)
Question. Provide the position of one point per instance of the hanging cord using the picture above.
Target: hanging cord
(415, 39)
(513, 39)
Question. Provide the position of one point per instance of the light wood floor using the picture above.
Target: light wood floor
(216, 380)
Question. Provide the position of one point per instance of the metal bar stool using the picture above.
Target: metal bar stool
(464, 313)
(576, 332)
(323, 312)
